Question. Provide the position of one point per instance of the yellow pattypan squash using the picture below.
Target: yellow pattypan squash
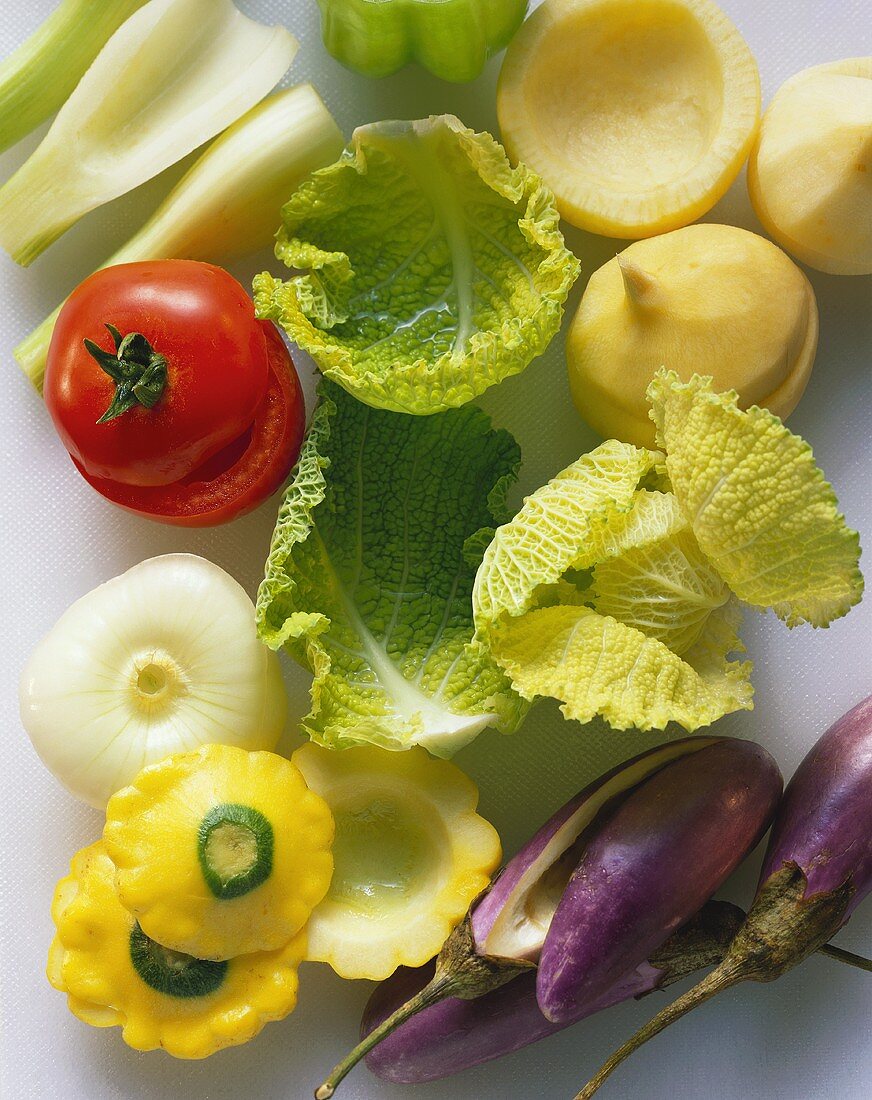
(410, 852)
(220, 852)
(114, 975)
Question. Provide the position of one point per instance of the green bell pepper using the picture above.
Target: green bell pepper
(451, 38)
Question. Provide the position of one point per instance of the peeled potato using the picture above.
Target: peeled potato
(637, 113)
(706, 299)
(810, 175)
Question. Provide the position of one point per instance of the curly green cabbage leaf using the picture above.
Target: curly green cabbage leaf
(757, 502)
(597, 594)
(370, 575)
(666, 588)
(431, 268)
(615, 589)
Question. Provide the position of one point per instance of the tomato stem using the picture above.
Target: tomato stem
(138, 371)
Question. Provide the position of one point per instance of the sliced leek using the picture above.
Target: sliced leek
(158, 661)
(39, 76)
(227, 205)
(174, 75)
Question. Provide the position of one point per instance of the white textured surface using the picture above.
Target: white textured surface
(806, 1036)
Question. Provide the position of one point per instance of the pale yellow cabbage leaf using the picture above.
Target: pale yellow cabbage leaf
(757, 502)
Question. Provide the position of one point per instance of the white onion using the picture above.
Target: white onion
(159, 660)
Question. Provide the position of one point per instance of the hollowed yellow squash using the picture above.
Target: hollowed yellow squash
(410, 855)
(637, 113)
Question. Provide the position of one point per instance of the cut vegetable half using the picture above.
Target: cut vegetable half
(226, 205)
(513, 918)
(115, 975)
(220, 852)
(410, 855)
(143, 105)
(159, 660)
(637, 113)
(810, 173)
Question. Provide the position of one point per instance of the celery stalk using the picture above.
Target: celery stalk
(228, 203)
(39, 76)
(174, 75)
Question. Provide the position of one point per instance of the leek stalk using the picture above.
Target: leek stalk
(228, 203)
(40, 75)
(174, 75)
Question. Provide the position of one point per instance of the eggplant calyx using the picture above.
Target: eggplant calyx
(460, 972)
(702, 942)
(472, 973)
(783, 927)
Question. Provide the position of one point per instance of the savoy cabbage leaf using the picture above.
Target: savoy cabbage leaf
(597, 665)
(617, 587)
(430, 268)
(370, 574)
(597, 594)
(758, 503)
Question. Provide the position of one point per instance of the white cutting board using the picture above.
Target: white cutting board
(807, 1036)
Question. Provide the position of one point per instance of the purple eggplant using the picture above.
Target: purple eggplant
(503, 934)
(513, 916)
(817, 870)
(661, 855)
(454, 1035)
(824, 824)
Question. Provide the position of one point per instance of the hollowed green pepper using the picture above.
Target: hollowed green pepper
(451, 38)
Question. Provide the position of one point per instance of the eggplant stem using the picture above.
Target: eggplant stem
(437, 990)
(460, 972)
(724, 976)
(782, 928)
(847, 957)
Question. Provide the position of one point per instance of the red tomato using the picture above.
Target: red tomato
(240, 476)
(201, 321)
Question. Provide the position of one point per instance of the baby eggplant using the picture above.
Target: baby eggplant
(454, 1035)
(660, 856)
(505, 930)
(817, 869)
(512, 918)
(824, 824)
